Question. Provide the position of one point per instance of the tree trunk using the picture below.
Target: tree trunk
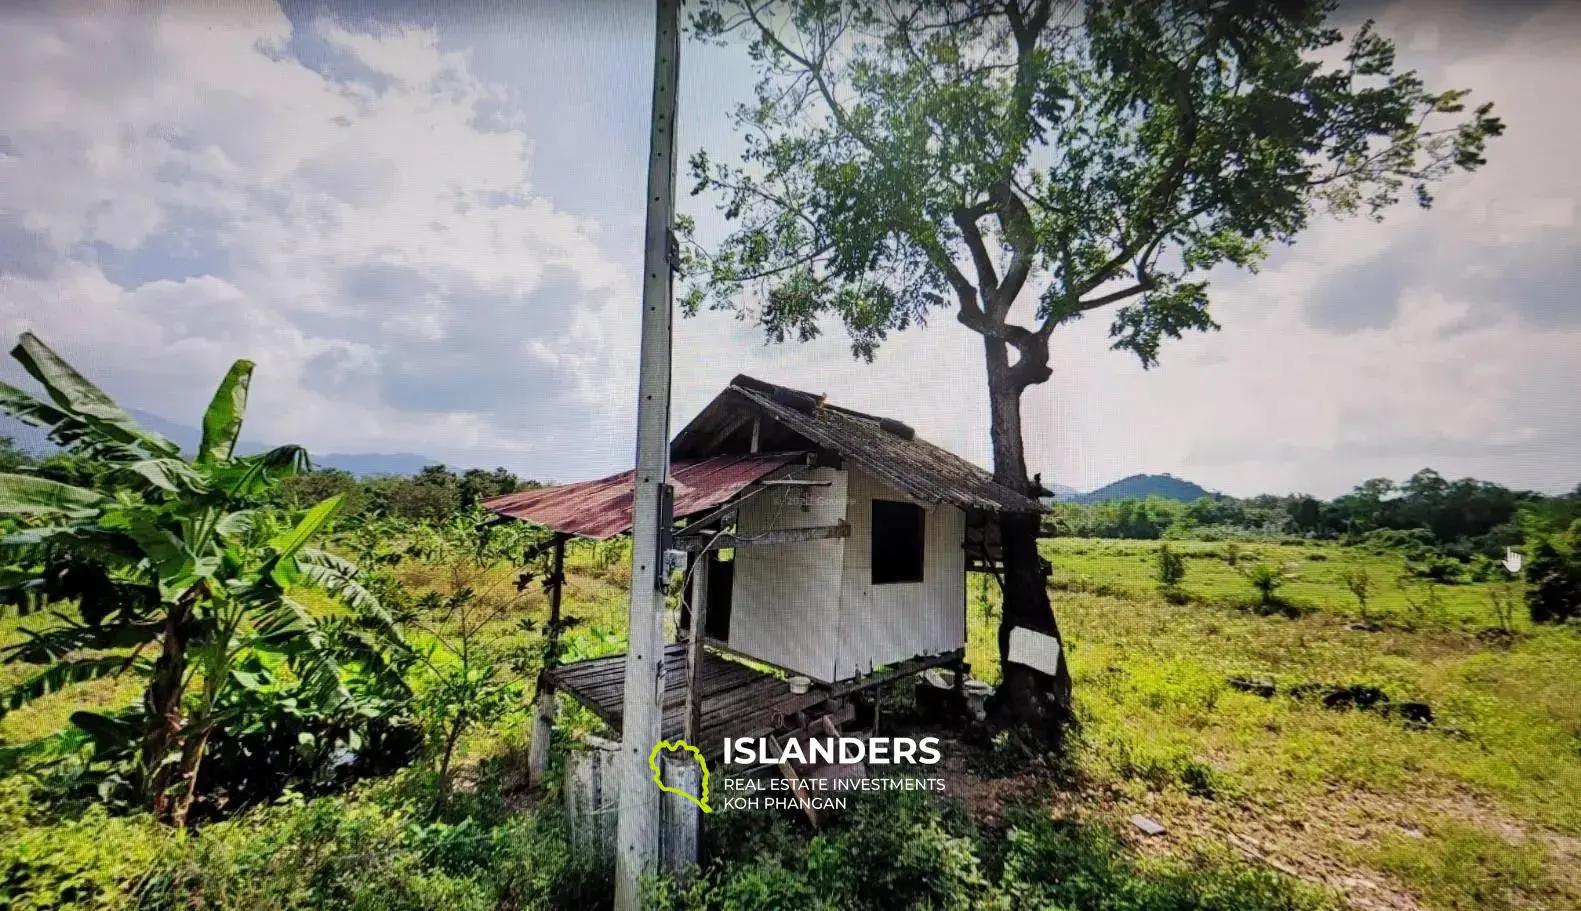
(191, 761)
(1027, 696)
(162, 712)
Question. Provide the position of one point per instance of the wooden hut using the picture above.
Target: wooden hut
(851, 539)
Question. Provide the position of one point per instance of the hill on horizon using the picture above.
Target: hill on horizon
(1142, 486)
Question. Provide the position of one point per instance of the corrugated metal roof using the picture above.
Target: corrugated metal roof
(881, 446)
(602, 509)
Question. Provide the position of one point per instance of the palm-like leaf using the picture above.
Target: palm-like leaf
(84, 403)
(285, 626)
(284, 565)
(222, 422)
(66, 429)
(22, 494)
(60, 675)
(337, 578)
(171, 475)
(55, 643)
(249, 476)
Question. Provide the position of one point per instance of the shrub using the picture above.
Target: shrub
(1171, 567)
(909, 850)
(1267, 580)
(1359, 583)
(85, 860)
(375, 855)
(1553, 577)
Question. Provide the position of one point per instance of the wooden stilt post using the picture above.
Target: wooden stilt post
(543, 699)
(694, 647)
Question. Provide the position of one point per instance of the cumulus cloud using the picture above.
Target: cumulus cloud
(188, 185)
(428, 235)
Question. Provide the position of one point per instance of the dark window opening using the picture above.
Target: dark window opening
(897, 541)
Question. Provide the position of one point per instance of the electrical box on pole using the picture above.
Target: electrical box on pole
(637, 832)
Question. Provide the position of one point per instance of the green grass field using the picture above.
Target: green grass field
(1479, 809)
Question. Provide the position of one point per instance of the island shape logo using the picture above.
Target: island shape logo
(658, 777)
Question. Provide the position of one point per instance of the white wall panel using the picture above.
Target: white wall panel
(883, 624)
(786, 598)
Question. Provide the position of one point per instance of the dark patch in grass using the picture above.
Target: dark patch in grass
(1257, 686)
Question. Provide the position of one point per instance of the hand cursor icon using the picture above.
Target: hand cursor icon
(1512, 560)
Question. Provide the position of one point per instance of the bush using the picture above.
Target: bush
(909, 850)
(1267, 580)
(82, 860)
(1553, 578)
(332, 853)
(375, 855)
(1171, 567)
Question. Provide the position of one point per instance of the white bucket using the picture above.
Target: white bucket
(799, 685)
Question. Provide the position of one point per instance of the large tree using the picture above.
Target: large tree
(1023, 163)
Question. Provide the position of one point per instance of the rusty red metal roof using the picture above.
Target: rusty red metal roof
(602, 509)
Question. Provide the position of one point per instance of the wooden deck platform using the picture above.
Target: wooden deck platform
(737, 700)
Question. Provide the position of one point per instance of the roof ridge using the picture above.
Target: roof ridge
(776, 391)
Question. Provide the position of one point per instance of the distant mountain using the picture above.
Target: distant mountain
(362, 464)
(1061, 492)
(1142, 486)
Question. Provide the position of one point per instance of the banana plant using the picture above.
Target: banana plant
(177, 569)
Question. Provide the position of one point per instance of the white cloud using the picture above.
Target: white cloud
(126, 125)
(407, 278)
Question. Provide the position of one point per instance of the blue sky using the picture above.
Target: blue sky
(424, 222)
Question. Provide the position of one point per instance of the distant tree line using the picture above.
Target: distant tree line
(1447, 531)
(436, 492)
(1458, 518)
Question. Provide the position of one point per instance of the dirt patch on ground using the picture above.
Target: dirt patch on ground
(1321, 841)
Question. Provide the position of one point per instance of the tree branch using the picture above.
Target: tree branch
(1015, 225)
(965, 218)
(815, 70)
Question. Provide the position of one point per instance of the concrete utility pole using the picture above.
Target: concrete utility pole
(637, 845)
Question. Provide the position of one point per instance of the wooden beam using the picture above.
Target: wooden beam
(797, 785)
(694, 648)
(903, 669)
(842, 529)
(757, 431)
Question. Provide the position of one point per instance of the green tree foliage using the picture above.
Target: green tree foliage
(913, 157)
(320, 484)
(477, 485)
(177, 561)
(1553, 581)
(1267, 580)
(433, 493)
(11, 456)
